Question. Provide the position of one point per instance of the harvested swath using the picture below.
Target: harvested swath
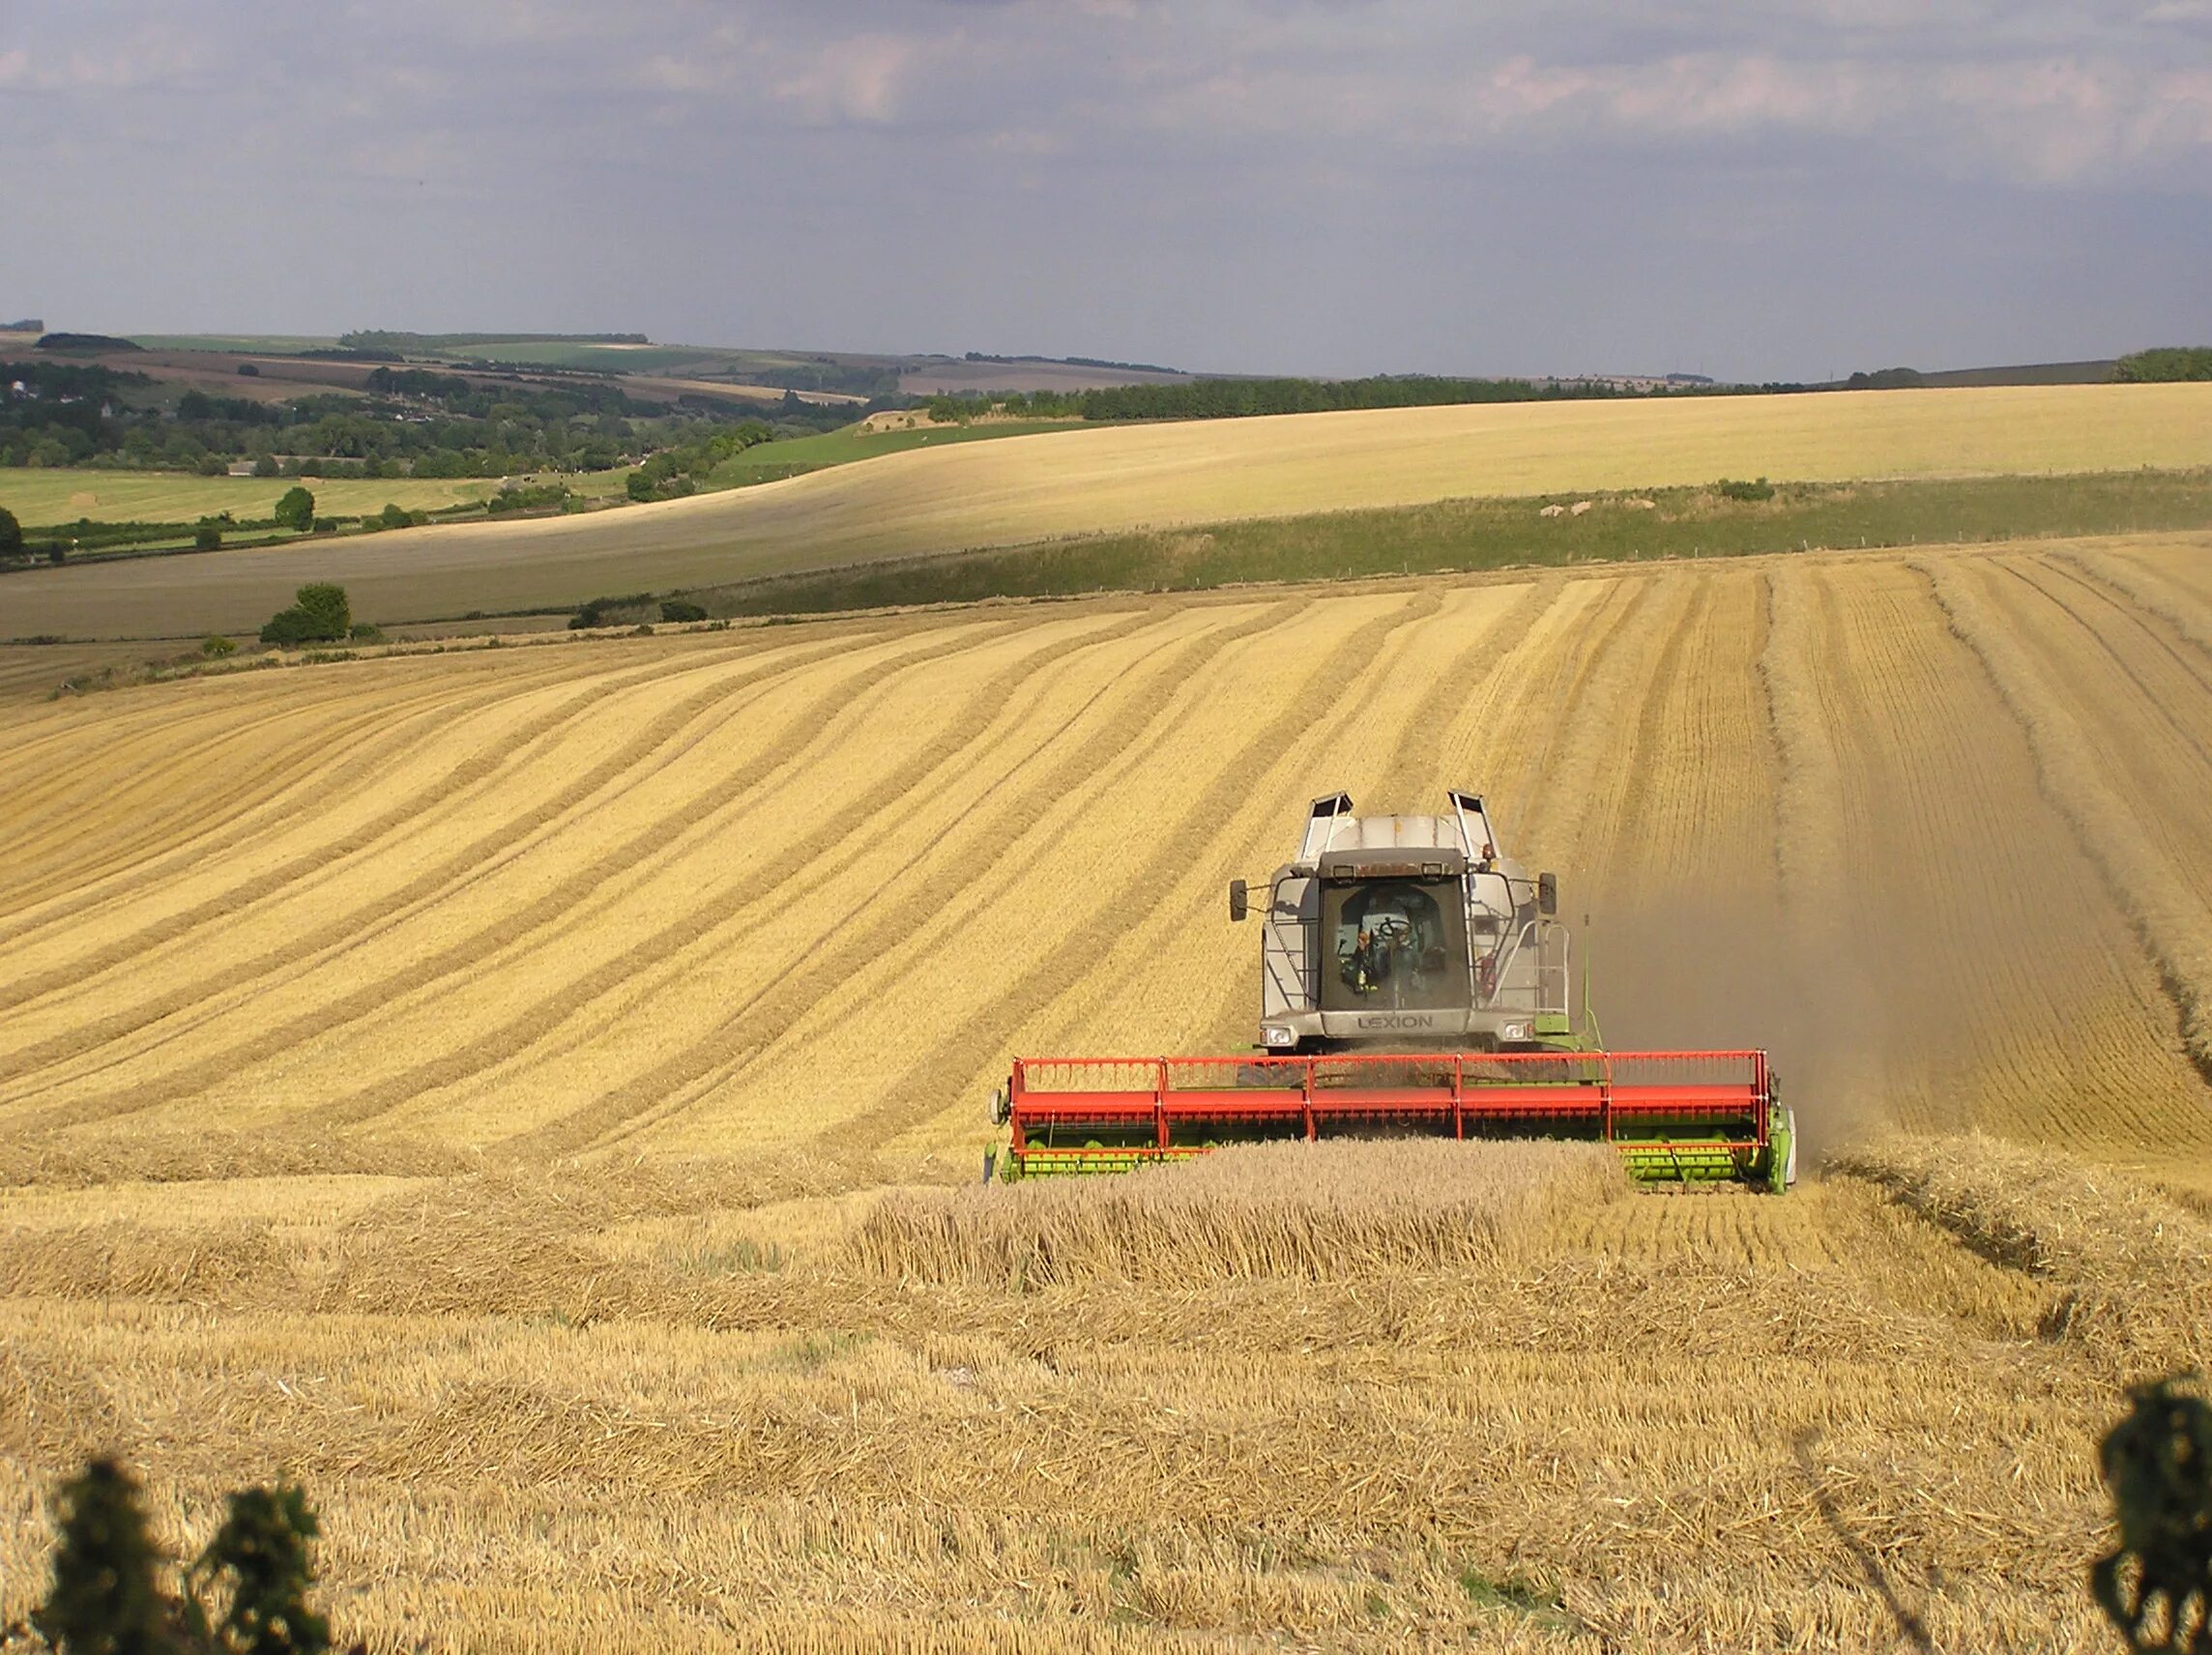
(232, 1263)
(551, 1404)
(1313, 1211)
(2135, 1269)
(52, 1161)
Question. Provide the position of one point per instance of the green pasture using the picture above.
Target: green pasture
(1488, 534)
(796, 454)
(241, 344)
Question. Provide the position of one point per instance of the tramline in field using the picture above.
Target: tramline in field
(1412, 981)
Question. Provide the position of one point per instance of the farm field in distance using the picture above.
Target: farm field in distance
(524, 1093)
(796, 454)
(41, 499)
(948, 498)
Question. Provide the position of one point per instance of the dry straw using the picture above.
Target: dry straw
(2132, 1270)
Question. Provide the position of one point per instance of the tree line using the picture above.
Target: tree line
(2165, 364)
(1242, 398)
(414, 422)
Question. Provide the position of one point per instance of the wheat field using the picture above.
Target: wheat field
(535, 1095)
(1019, 489)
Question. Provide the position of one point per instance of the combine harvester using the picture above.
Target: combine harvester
(1412, 982)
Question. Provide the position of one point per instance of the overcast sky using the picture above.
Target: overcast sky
(1779, 189)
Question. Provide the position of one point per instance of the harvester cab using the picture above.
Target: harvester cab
(1408, 931)
(1412, 980)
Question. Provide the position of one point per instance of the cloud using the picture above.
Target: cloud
(861, 78)
(1350, 176)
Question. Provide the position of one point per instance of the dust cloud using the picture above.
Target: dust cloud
(1681, 972)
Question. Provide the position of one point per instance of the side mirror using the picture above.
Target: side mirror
(1547, 894)
(1239, 900)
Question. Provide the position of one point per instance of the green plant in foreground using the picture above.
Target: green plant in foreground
(105, 1599)
(108, 1598)
(2156, 1586)
(262, 1549)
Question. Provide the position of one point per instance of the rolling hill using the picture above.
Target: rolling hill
(1028, 488)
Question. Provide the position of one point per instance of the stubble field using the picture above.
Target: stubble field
(523, 1094)
(948, 498)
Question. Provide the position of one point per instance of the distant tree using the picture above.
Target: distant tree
(327, 604)
(215, 644)
(265, 466)
(320, 614)
(677, 609)
(249, 371)
(212, 465)
(208, 537)
(296, 510)
(395, 517)
(10, 534)
(2167, 364)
